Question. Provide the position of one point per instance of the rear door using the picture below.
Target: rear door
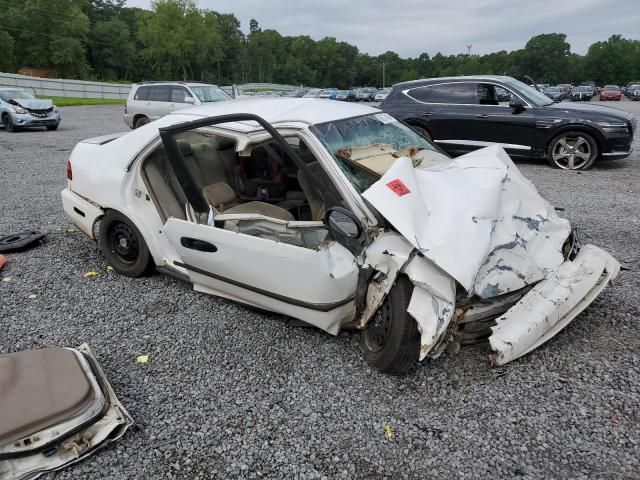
(254, 265)
(158, 101)
(448, 110)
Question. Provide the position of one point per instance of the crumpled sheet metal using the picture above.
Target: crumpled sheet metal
(433, 300)
(476, 217)
(552, 304)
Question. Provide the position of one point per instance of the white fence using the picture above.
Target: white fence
(55, 87)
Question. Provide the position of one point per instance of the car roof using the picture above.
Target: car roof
(310, 111)
(463, 78)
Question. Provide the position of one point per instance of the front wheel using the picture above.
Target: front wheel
(9, 126)
(123, 245)
(391, 341)
(572, 151)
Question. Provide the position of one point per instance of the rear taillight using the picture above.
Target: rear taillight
(69, 172)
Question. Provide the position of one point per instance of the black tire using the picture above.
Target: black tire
(123, 245)
(391, 341)
(9, 126)
(562, 156)
(140, 122)
(52, 128)
(422, 131)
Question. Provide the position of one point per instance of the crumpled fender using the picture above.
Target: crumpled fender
(432, 303)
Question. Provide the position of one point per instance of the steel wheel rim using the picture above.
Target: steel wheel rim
(378, 329)
(571, 153)
(123, 242)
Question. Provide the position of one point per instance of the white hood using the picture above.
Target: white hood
(34, 104)
(476, 217)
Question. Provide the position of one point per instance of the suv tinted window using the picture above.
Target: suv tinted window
(159, 93)
(178, 94)
(445, 93)
(142, 93)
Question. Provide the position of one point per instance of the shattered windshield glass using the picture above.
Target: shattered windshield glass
(366, 147)
(206, 93)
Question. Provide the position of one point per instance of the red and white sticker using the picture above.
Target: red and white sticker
(398, 187)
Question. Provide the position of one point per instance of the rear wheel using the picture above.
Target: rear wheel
(9, 126)
(572, 151)
(123, 245)
(141, 121)
(391, 341)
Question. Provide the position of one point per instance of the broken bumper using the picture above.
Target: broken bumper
(552, 304)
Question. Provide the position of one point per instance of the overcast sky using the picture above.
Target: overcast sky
(410, 27)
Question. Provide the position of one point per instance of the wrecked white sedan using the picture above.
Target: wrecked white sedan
(338, 215)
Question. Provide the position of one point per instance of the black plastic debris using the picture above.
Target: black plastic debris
(19, 242)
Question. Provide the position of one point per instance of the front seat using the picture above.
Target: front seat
(224, 200)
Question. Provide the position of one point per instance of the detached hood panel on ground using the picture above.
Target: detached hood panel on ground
(476, 217)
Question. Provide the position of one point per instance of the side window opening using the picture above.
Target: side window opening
(142, 93)
(487, 94)
(178, 95)
(257, 180)
(159, 93)
(459, 93)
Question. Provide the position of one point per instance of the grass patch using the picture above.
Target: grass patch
(74, 102)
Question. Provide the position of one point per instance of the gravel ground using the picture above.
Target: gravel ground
(232, 392)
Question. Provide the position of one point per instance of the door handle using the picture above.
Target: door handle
(482, 115)
(196, 244)
(426, 114)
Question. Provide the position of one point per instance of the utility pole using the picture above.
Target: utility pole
(383, 74)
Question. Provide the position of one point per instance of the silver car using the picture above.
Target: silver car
(21, 109)
(151, 100)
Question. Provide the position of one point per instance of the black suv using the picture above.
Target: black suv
(465, 113)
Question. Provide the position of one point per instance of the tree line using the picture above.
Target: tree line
(105, 40)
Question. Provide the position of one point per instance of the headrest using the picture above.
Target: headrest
(201, 147)
(220, 195)
(185, 147)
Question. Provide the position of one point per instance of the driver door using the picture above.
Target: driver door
(254, 265)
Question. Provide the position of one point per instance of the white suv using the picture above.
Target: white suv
(149, 101)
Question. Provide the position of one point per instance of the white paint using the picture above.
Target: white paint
(469, 216)
(552, 304)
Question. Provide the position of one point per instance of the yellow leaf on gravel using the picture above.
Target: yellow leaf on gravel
(388, 432)
(109, 268)
(71, 230)
(90, 274)
(142, 359)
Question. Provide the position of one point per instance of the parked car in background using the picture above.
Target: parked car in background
(582, 93)
(21, 109)
(382, 94)
(346, 95)
(464, 113)
(339, 215)
(610, 92)
(363, 94)
(554, 93)
(566, 88)
(630, 88)
(634, 93)
(149, 101)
